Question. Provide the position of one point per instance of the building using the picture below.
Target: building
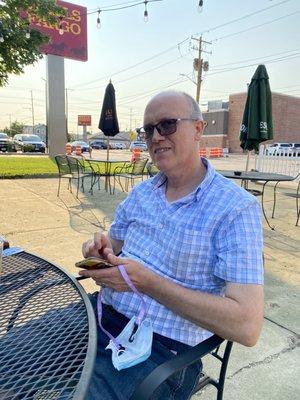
(224, 120)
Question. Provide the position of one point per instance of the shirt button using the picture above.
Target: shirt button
(160, 226)
(147, 252)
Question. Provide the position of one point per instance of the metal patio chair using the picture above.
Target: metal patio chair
(129, 172)
(164, 371)
(64, 171)
(79, 172)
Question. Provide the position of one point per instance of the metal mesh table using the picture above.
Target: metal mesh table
(47, 332)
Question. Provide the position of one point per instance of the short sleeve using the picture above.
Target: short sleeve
(239, 246)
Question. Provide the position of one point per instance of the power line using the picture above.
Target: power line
(251, 65)
(241, 18)
(132, 66)
(253, 59)
(255, 26)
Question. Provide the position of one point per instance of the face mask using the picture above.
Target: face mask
(134, 343)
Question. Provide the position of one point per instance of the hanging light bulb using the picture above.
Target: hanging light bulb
(98, 20)
(146, 12)
(60, 26)
(1, 38)
(200, 6)
(27, 34)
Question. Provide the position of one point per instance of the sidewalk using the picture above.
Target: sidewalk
(32, 216)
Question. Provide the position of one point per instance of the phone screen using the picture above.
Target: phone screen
(93, 263)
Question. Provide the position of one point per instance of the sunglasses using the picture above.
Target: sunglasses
(165, 127)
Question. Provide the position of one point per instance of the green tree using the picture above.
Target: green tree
(19, 44)
(15, 128)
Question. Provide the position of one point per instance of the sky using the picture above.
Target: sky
(141, 59)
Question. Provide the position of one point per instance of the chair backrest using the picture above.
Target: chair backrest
(62, 164)
(151, 169)
(139, 167)
(74, 164)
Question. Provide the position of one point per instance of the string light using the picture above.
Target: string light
(27, 34)
(60, 26)
(1, 38)
(98, 20)
(200, 6)
(146, 12)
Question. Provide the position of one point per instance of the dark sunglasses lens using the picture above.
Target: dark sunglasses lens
(149, 129)
(168, 126)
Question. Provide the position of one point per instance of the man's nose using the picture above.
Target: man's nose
(156, 135)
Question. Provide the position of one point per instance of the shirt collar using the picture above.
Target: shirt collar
(160, 179)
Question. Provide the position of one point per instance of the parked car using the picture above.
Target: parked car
(277, 149)
(118, 145)
(84, 145)
(29, 143)
(138, 145)
(6, 143)
(295, 149)
(98, 144)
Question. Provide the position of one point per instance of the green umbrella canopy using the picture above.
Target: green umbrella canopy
(257, 123)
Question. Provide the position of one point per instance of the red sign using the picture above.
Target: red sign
(84, 120)
(68, 36)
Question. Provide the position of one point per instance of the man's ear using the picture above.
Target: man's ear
(200, 125)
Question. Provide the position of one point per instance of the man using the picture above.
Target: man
(191, 242)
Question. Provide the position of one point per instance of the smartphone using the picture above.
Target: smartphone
(93, 263)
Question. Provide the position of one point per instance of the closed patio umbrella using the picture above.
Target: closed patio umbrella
(108, 122)
(257, 123)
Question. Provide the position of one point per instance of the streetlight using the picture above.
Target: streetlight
(188, 78)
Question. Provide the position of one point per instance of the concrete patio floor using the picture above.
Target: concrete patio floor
(32, 216)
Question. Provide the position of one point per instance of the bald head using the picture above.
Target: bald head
(190, 106)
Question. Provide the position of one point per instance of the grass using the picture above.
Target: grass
(26, 166)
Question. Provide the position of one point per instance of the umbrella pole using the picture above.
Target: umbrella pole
(248, 159)
(107, 168)
(107, 150)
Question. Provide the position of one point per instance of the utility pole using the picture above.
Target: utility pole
(32, 111)
(199, 64)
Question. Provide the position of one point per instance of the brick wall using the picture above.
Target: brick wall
(213, 141)
(286, 119)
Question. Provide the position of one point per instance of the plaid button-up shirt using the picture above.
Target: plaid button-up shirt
(210, 236)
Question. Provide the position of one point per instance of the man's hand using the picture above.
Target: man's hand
(111, 277)
(98, 246)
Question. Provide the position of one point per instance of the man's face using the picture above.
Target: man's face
(175, 152)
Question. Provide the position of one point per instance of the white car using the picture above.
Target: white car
(279, 149)
(295, 149)
(138, 145)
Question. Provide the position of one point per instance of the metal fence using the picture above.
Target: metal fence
(283, 163)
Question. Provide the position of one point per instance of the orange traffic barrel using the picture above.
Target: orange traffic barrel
(136, 155)
(214, 152)
(68, 148)
(78, 150)
(202, 152)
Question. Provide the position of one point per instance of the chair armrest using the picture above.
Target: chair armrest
(164, 371)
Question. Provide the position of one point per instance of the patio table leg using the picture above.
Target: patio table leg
(263, 208)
